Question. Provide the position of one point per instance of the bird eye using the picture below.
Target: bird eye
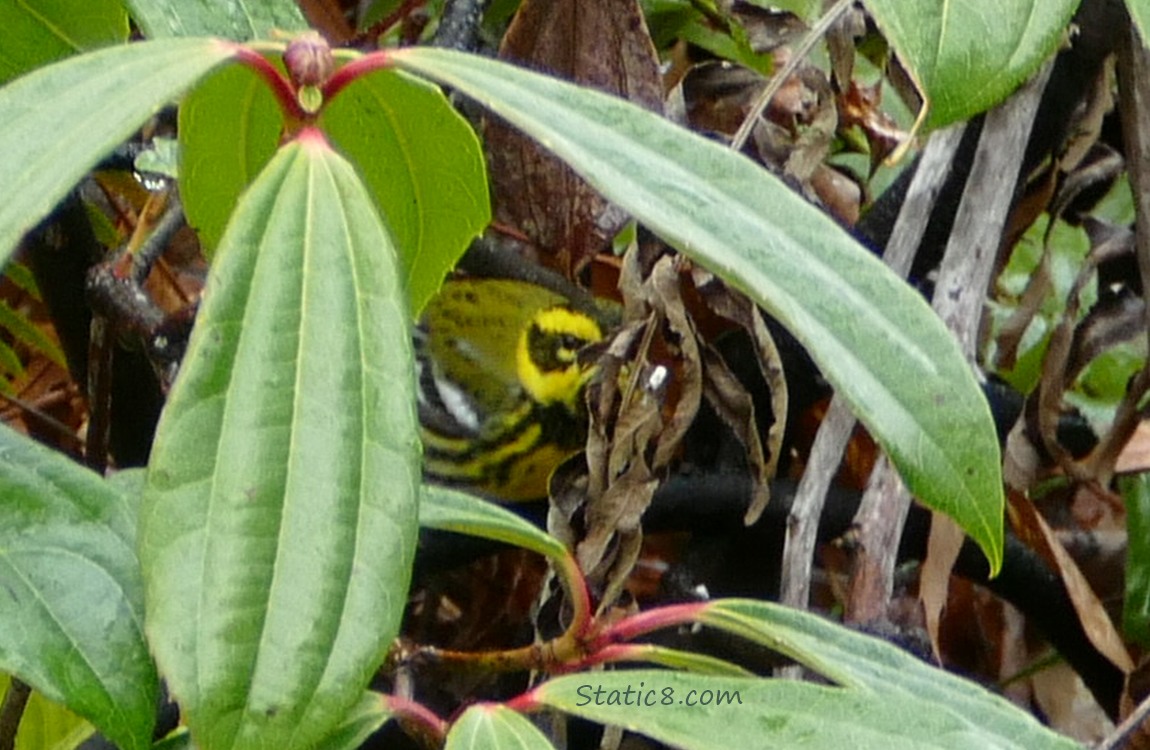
(570, 342)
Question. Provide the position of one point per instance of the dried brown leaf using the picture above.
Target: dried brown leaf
(730, 398)
(942, 549)
(1135, 456)
(634, 441)
(1030, 527)
(600, 43)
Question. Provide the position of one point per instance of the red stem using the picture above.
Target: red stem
(609, 654)
(524, 702)
(369, 63)
(645, 622)
(423, 719)
(581, 611)
(279, 85)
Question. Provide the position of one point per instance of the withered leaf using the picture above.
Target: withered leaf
(942, 549)
(1036, 534)
(600, 43)
(627, 456)
(730, 398)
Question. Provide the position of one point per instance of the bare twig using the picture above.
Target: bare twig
(964, 277)
(968, 264)
(886, 502)
(1133, 728)
(835, 431)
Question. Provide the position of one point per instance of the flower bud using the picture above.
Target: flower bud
(308, 60)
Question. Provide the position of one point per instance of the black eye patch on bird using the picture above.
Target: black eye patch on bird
(551, 350)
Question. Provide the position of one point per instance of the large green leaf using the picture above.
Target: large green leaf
(32, 35)
(690, 711)
(240, 20)
(58, 121)
(420, 159)
(861, 662)
(970, 55)
(872, 335)
(230, 126)
(885, 698)
(279, 521)
(423, 164)
(71, 611)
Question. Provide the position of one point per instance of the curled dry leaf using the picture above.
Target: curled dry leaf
(793, 138)
(654, 376)
(1135, 456)
(942, 550)
(1036, 534)
(730, 398)
(861, 107)
(638, 420)
(600, 43)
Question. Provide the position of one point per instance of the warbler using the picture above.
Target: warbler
(501, 385)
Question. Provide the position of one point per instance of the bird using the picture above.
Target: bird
(501, 384)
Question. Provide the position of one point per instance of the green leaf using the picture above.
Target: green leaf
(884, 698)
(239, 20)
(721, 35)
(490, 725)
(689, 711)
(424, 165)
(420, 159)
(35, 34)
(229, 127)
(871, 334)
(58, 122)
(279, 519)
(1136, 605)
(23, 330)
(11, 368)
(359, 723)
(71, 613)
(21, 275)
(861, 662)
(1068, 247)
(451, 510)
(179, 739)
(971, 55)
(162, 158)
(378, 10)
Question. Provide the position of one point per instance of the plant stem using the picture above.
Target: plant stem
(417, 720)
(281, 88)
(369, 63)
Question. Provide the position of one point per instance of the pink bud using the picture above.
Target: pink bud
(308, 60)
